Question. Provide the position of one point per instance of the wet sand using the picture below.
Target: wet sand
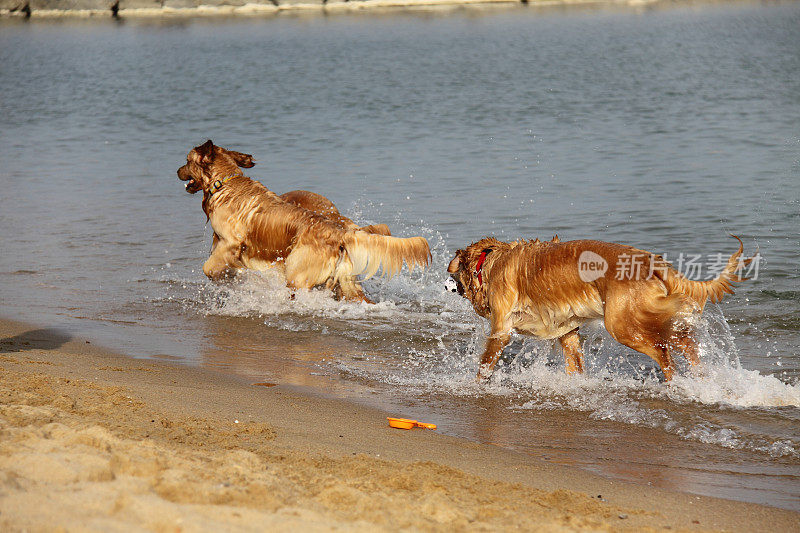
(92, 440)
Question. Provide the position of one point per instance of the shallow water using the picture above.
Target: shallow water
(662, 128)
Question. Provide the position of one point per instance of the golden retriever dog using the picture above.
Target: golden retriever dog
(548, 289)
(302, 233)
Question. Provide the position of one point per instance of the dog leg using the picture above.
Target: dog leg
(573, 355)
(497, 341)
(656, 351)
(687, 345)
(222, 262)
(352, 292)
(494, 348)
(344, 284)
(644, 343)
(666, 363)
(637, 316)
(308, 265)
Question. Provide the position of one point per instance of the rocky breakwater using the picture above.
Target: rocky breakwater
(118, 8)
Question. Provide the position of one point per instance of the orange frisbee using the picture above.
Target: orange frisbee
(404, 423)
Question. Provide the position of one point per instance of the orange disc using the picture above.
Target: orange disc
(401, 423)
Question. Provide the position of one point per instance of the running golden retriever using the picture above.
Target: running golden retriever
(548, 289)
(300, 232)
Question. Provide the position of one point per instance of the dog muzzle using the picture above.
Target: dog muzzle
(192, 186)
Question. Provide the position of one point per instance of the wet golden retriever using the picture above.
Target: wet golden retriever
(301, 232)
(548, 289)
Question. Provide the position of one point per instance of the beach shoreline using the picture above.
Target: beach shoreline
(90, 438)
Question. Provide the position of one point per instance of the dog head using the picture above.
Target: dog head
(207, 163)
(467, 271)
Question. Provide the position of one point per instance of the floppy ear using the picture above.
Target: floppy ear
(243, 160)
(206, 151)
(452, 268)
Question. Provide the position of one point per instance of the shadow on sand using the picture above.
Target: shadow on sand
(35, 339)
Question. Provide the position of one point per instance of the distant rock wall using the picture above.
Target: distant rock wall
(143, 7)
(106, 5)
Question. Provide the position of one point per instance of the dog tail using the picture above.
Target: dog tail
(715, 289)
(371, 252)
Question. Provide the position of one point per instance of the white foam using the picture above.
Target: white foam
(734, 386)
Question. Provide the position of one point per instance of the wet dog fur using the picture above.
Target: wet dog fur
(302, 233)
(536, 289)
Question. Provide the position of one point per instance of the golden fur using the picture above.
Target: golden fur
(321, 205)
(300, 232)
(536, 288)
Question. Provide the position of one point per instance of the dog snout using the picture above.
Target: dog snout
(191, 184)
(183, 174)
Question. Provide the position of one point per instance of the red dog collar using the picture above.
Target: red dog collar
(478, 266)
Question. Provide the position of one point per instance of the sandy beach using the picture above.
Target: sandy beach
(92, 440)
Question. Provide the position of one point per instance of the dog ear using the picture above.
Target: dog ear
(452, 268)
(206, 151)
(243, 160)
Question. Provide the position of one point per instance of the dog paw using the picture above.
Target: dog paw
(482, 378)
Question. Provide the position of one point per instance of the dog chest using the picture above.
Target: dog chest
(554, 319)
(544, 327)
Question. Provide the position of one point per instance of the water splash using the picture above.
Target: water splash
(431, 339)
